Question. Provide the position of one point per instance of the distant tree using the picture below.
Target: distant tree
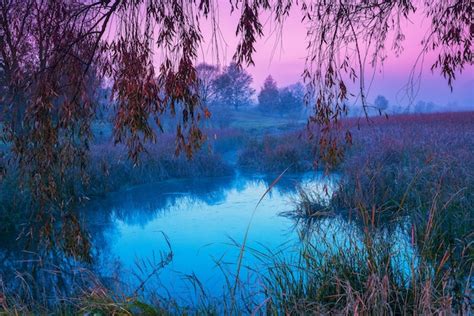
(232, 87)
(269, 96)
(381, 103)
(291, 99)
(298, 90)
(407, 109)
(420, 106)
(430, 106)
(286, 101)
(424, 107)
(207, 75)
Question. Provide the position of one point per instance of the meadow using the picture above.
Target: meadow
(408, 177)
(405, 197)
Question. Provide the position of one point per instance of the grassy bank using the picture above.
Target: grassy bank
(408, 189)
(395, 237)
(275, 153)
(109, 169)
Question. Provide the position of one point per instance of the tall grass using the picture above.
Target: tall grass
(109, 169)
(410, 177)
(274, 153)
(389, 264)
(394, 238)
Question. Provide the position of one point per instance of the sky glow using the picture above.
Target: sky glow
(283, 57)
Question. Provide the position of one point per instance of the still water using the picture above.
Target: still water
(203, 220)
(172, 238)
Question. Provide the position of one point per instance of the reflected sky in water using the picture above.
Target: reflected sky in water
(205, 221)
(201, 217)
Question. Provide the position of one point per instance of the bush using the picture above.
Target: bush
(277, 152)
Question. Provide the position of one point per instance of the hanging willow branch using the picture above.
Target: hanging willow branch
(55, 53)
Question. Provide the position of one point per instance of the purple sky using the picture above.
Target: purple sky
(284, 59)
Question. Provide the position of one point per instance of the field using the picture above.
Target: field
(254, 121)
(408, 186)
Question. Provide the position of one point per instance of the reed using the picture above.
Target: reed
(394, 238)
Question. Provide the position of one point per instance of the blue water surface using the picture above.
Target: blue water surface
(203, 220)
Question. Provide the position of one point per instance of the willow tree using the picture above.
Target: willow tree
(52, 50)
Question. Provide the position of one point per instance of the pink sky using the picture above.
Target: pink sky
(284, 60)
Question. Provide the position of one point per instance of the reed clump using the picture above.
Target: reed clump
(407, 189)
(395, 237)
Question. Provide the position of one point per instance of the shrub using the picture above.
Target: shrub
(277, 152)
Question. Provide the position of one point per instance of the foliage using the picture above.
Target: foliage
(408, 195)
(109, 170)
(269, 96)
(395, 239)
(222, 90)
(54, 54)
(284, 101)
(275, 153)
(291, 99)
(207, 75)
(381, 103)
(424, 107)
(232, 87)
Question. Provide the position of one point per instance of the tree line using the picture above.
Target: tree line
(231, 88)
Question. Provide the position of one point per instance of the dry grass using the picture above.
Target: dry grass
(396, 238)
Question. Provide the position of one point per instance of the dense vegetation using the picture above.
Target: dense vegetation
(407, 186)
(60, 59)
(404, 209)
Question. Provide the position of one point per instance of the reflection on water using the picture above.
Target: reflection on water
(203, 219)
